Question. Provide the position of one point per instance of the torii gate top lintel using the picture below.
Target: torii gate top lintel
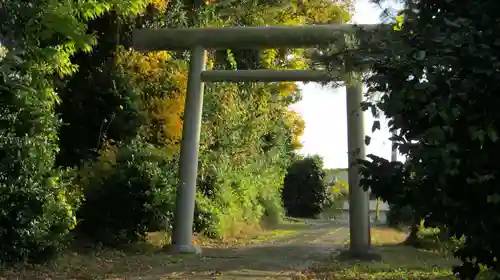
(244, 37)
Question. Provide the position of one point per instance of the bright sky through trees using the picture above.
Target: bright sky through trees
(324, 112)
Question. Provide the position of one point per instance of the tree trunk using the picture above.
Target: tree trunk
(412, 239)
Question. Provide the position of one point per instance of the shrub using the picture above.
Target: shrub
(35, 215)
(304, 191)
(127, 194)
(273, 208)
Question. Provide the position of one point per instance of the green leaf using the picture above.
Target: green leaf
(231, 59)
(368, 139)
(435, 134)
(419, 55)
(375, 126)
(443, 114)
(492, 134)
(494, 198)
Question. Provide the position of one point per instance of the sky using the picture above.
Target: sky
(324, 112)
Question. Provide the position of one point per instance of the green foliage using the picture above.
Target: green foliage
(304, 191)
(243, 157)
(399, 215)
(127, 193)
(36, 215)
(37, 203)
(438, 239)
(440, 85)
(106, 108)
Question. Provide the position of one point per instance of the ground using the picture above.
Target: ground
(398, 262)
(294, 250)
(281, 258)
(280, 253)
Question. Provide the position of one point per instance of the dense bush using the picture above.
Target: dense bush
(127, 193)
(36, 203)
(304, 191)
(35, 216)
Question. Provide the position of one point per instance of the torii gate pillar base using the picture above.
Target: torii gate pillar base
(182, 249)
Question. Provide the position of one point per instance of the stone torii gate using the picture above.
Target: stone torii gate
(198, 40)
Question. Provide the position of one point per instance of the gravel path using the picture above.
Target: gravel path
(283, 258)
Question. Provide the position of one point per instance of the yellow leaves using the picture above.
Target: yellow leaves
(287, 88)
(208, 2)
(299, 64)
(179, 82)
(325, 11)
(291, 19)
(160, 5)
(297, 126)
(156, 73)
(268, 57)
(162, 83)
(399, 22)
(151, 65)
(398, 25)
(231, 59)
(165, 122)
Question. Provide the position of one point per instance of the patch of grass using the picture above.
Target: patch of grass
(252, 235)
(398, 262)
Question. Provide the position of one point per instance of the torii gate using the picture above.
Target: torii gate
(198, 40)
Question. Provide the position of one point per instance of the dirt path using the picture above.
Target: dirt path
(282, 258)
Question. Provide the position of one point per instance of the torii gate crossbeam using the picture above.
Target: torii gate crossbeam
(200, 39)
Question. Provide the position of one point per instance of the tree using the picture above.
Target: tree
(440, 92)
(304, 190)
(38, 40)
(99, 101)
